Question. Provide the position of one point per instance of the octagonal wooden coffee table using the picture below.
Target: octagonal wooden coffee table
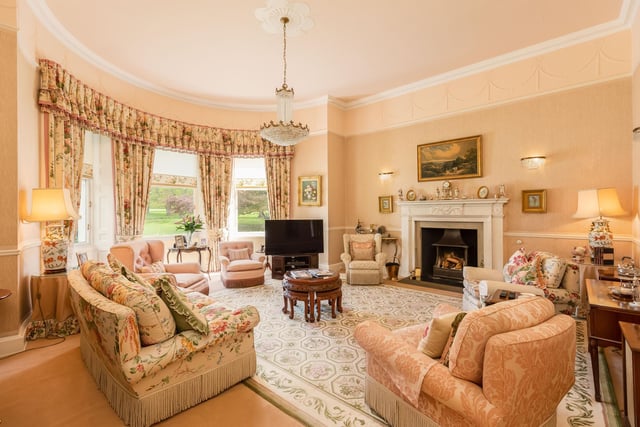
(298, 286)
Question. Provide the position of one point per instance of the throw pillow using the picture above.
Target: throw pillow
(156, 267)
(552, 267)
(186, 315)
(238, 254)
(155, 321)
(516, 261)
(118, 267)
(438, 330)
(362, 251)
(444, 359)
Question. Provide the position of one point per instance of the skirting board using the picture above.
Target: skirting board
(13, 344)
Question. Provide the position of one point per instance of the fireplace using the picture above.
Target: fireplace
(480, 223)
(445, 252)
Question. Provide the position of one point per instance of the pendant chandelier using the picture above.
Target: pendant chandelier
(285, 131)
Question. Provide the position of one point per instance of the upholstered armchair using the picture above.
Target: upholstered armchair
(146, 257)
(508, 364)
(240, 266)
(363, 258)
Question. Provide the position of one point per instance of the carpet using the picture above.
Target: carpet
(315, 371)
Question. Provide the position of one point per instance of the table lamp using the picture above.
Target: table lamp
(598, 203)
(49, 205)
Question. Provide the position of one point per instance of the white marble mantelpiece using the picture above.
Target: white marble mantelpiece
(485, 215)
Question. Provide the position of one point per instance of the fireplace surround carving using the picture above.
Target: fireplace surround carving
(486, 216)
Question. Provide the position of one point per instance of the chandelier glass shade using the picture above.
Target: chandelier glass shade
(284, 131)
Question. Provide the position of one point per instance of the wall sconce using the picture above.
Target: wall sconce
(385, 175)
(49, 205)
(533, 162)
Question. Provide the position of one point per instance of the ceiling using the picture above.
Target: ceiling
(215, 51)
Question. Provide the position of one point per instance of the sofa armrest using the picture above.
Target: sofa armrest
(492, 286)
(381, 257)
(406, 365)
(260, 257)
(345, 258)
(185, 267)
(481, 273)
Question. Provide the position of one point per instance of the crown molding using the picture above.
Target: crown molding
(628, 11)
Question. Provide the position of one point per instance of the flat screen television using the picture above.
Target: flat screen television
(293, 236)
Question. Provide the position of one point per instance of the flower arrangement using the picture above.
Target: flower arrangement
(190, 223)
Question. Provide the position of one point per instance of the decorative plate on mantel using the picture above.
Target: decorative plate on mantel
(483, 192)
(411, 195)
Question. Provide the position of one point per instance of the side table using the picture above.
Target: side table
(604, 314)
(631, 368)
(199, 249)
(51, 307)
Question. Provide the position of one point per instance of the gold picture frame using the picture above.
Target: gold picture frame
(385, 204)
(310, 190)
(180, 241)
(534, 201)
(451, 159)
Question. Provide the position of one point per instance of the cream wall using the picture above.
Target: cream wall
(584, 133)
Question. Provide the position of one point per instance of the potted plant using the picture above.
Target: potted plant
(190, 224)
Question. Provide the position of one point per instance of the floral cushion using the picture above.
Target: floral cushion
(552, 268)
(444, 359)
(154, 319)
(156, 267)
(437, 331)
(185, 313)
(238, 254)
(118, 267)
(362, 251)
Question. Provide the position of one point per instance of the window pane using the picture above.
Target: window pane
(253, 209)
(167, 205)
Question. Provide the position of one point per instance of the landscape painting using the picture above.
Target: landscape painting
(452, 159)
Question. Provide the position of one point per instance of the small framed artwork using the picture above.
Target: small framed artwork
(452, 159)
(180, 241)
(534, 201)
(310, 190)
(385, 204)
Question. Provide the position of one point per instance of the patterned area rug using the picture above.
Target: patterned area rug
(315, 371)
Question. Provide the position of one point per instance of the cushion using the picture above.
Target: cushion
(155, 321)
(571, 278)
(238, 254)
(516, 261)
(552, 268)
(454, 329)
(186, 315)
(118, 267)
(245, 265)
(156, 267)
(362, 251)
(437, 334)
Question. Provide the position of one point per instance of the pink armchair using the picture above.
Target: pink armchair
(240, 267)
(146, 257)
(509, 364)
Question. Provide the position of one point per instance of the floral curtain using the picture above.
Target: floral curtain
(278, 171)
(133, 164)
(64, 148)
(216, 174)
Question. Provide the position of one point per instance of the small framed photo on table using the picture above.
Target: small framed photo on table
(180, 241)
(385, 204)
(534, 201)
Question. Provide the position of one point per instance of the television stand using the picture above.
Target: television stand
(280, 264)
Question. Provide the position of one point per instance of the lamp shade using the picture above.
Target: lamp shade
(51, 204)
(598, 202)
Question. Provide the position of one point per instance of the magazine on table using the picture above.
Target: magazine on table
(320, 273)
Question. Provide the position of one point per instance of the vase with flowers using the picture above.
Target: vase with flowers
(190, 224)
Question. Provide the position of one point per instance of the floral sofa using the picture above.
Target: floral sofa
(494, 369)
(153, 349)
(542, 273)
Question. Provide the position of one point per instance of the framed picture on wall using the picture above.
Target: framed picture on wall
(310, 190)
(385, 204)
(451, 159)
(534, 201)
